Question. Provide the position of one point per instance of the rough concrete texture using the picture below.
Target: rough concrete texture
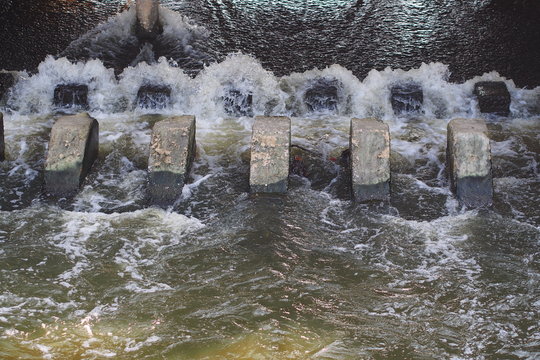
(406, 97)
(2, 146)
(172, 149)
(73, 147)
(493, 97)
(469, 162)
(270, 155)
(148, 25)
(370, 159)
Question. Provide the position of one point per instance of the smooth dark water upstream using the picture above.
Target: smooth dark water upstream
(223, 274)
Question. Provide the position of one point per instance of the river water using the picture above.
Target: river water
(223, 274)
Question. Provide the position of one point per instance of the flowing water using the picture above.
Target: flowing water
(223, 274)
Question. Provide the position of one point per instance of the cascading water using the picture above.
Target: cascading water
(224, 275)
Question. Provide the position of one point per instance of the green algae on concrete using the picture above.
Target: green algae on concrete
(73, 147)
(370, 159)
(270, 154)
(172, 149)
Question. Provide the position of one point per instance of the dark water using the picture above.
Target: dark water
(473, 37)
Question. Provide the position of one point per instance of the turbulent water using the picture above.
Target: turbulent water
(223, 274)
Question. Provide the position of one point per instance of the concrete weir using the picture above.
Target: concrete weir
(270, 155)
(73, 147)
(370, 159)
(469, 162)
(2, 146)
(172, 149)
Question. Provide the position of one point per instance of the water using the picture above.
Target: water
(222, 274)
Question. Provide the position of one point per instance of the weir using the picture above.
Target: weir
(310, 195)
(73, 147)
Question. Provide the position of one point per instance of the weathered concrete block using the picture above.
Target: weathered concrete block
(493, 97)
(172, 149)
(2, 145)
(370, 159)
(322, 95)
(406, 98)
(238, 103)
(469, 162)
(270, 155)
(71, 96)
(148, 24)
(153, 96)
(73, 147)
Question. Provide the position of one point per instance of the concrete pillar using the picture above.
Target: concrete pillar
(172, 149)
(2, 146)
(270, 153)
(73, 147)
(148, 25)
(469, 162)
(370, 159)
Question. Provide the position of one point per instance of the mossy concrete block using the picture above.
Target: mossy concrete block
(73, 147)
(370, 159)
(469, 162)
(270, 154)
(172, 149)
(2, 145)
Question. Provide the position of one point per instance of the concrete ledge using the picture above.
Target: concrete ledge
(469, 162)
(2, 145)
(172, 149)
(73, 147)
(370, 159)
(270, 155)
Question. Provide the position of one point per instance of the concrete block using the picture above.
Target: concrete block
(172, 149)
(154, 97)
(270, 154)
(322, 95)
(148, 24)
(469, 162)
(2, 145)
(406, 98)
(370, 159)
(71, 96)
(73, 147)
(493, 97)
